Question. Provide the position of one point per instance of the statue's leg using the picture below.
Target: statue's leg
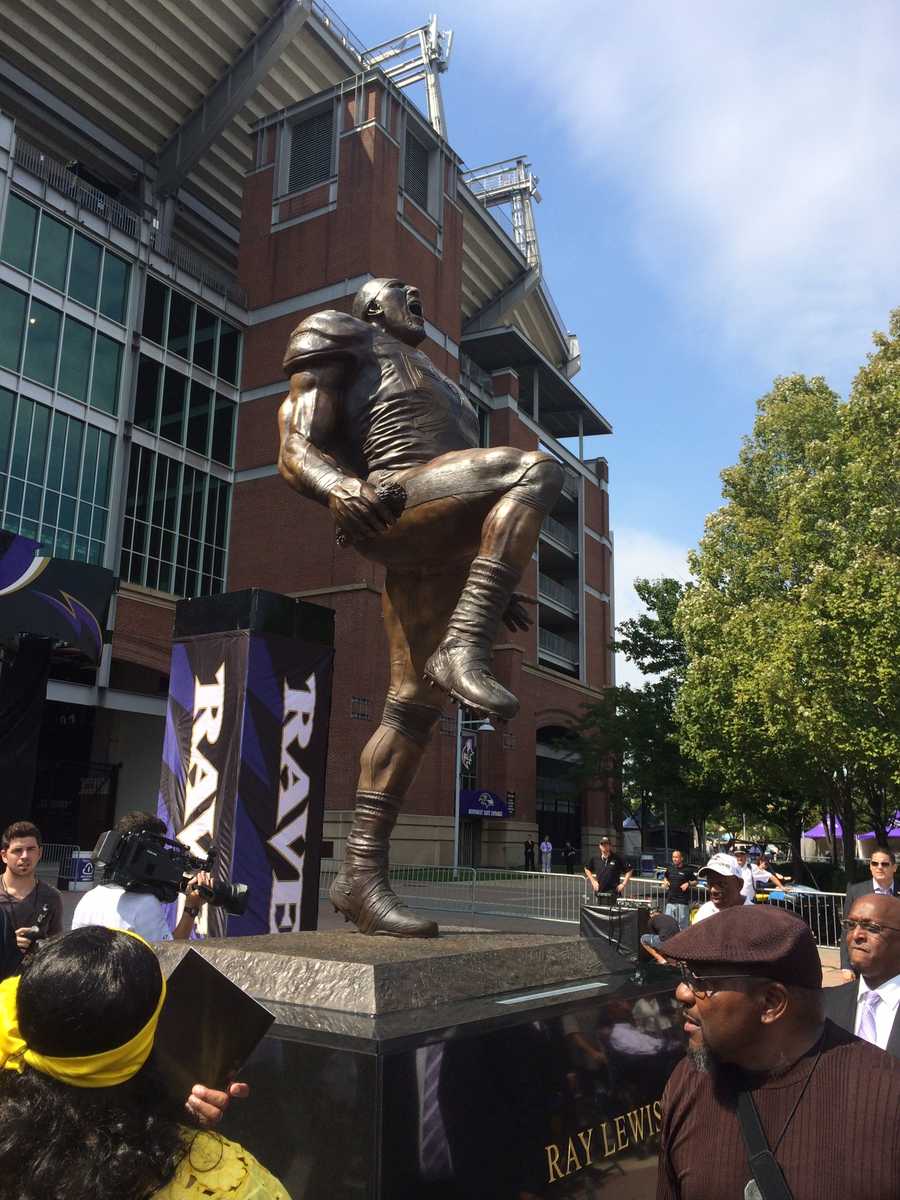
(462, 662)
(416, 608)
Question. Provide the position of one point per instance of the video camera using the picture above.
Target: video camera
(149, 862)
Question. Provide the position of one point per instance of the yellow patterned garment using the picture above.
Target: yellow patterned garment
(216, 1169)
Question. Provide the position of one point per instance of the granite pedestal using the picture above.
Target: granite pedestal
(480, 1065)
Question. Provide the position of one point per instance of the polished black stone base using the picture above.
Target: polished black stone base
(550, 1091)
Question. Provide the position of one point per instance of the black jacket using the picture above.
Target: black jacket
(853, 893)
(9, 951)
(840, 1006)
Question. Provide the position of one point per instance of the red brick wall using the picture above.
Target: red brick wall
(143, 632)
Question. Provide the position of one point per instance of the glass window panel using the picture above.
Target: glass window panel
(139, 541)
(67, 514)
(222, 515)
(104, 468)
(114, 288)
(181, 312)
(223, 431)
(198, 419)
(204, 338)
(75, 360)
(146, 399)
(145, 487)
(89, 470)
(105, 380)
(52, 252)
(178, 586)
(18, 233)
(42, 343)
(85, 274)
(85, 512)
(155, 541)
(229, 348)
(72, 463)
(51, 508)
(159, 490)
(28, 527)
(22, 438)
(31, 507)
(152, 573)
(171, 496)
(134, 467)
(212, 501)
(6, 414)
(12, 322)
(154, 322)
(57, 447)
(187, 496)
(63, 547)
(172, 419)
(14, 495)
(95, 553)
(37, 455)
(80, 552)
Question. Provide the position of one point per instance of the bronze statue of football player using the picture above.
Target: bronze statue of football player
(372, 430)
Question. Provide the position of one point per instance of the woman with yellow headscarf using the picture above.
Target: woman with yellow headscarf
(82, 1113)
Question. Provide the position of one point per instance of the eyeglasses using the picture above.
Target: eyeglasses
(869, 926)
(880, 862)
(708, 985)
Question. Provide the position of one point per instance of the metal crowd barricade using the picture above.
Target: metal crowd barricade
(559, 897)
(57, 861)
(534, 894)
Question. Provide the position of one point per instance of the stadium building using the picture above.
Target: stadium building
(179, 185)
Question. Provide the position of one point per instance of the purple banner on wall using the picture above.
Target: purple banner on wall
(243, 769)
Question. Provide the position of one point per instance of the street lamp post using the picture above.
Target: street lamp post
(478, 725)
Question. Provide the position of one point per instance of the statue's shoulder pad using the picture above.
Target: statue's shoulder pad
(328, 332)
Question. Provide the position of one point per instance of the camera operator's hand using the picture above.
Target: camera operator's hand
(193, 902)
(24, 938)
(193, 897)
(206, 1105)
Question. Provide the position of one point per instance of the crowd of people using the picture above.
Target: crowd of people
(777, 1067)
(83, 1110)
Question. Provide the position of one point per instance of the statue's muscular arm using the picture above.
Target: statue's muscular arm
(307, 421)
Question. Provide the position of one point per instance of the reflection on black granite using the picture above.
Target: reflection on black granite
(556, 1099)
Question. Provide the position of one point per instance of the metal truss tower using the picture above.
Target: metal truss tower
(511, 182)
(423, 55)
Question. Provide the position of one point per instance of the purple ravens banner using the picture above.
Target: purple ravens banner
(245, 749)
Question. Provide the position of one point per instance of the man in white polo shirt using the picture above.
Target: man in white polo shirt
(724, 879)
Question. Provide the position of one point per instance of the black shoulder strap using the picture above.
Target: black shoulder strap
(763, 1164)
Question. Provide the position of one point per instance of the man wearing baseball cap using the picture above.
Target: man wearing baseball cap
(820, 1108)
(725, 880)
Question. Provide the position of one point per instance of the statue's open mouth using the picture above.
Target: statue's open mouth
(415, 307)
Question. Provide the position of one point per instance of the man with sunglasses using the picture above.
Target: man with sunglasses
(869, 1005)
(758, 1044)
(882, 883)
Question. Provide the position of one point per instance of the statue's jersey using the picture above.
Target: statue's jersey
(398, 410)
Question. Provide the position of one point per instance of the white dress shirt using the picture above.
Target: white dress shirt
(748, 891)
(884, 1013)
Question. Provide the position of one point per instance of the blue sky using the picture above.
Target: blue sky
(720, 187)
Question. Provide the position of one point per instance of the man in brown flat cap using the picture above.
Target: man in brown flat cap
(870, 1005)
(761, 1052)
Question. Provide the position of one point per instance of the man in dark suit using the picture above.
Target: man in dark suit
(882, 883)
(870, 1005)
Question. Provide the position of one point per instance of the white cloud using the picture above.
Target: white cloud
(641, 555)
(757, 144)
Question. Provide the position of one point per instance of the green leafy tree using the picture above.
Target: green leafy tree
(792, 632)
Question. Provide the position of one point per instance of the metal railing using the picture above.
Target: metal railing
(470, 370)
(557, 591)
(197, 266)
(558, 897)
(562, 647)
(560, 533)
(68, 183)
(56, 862)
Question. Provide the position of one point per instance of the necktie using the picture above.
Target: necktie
(867, 1030)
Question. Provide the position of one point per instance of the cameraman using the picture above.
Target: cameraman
(138, 908)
